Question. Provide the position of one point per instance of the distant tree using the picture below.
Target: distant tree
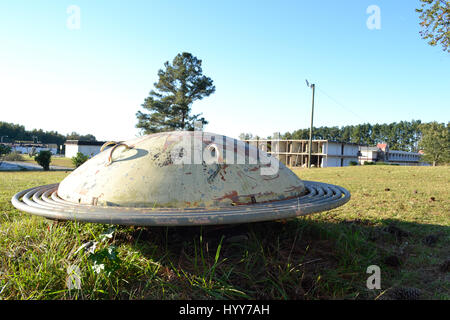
(4, 150)
(77, 136)
(18, 133)
(169, 106)
(435, 142)
(43, 159)
(246, 136)
(435, 22)
(399, 136)
(79, 159)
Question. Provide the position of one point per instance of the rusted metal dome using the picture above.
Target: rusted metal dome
(178, 170)
(180, 178)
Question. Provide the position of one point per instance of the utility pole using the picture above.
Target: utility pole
(313, 87)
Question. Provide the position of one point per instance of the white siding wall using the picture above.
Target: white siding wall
(73, 149)
(351, 150)
(333, 148)
(331, 162)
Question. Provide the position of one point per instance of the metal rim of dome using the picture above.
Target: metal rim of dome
(44, 201)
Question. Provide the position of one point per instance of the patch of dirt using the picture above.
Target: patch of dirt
(393, 261)
(396, 231)
(445, 267)
(431, 239)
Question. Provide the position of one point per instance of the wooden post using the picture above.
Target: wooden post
(313, 86)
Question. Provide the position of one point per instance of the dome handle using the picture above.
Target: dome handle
(116, 145)
(107, 144)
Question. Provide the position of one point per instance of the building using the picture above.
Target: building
(88, 148)
(324, 153)
(381, 153)
(403, 158)
(28, 147)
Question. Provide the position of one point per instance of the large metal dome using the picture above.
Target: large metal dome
(180, 178)
(179, 169)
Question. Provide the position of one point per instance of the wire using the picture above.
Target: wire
(341, 105)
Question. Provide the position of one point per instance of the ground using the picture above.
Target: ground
(25, 162)
(56, 161)
(398, 219)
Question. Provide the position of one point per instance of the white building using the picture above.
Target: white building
(26, 148)
(88, 148)
(382, 153)
(403, 157)
(324, 153)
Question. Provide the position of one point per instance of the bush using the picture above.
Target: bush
(369, 163)
(79, 159)
(13, 156)
(43, 159)
(353, 163)
(381, 163)
(4, 149)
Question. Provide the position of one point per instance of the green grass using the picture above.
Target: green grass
(56, 161)
(321, 256)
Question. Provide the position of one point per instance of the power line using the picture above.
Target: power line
(341, 105)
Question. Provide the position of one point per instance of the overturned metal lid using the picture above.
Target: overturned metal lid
(180, 178)
(180, 170)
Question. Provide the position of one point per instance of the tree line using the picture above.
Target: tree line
(403, 135)
(432, 137)
(15, 132)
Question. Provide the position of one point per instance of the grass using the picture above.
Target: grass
(398, 218)
(56, 161)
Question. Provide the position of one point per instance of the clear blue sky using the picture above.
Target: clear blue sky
(94, 79)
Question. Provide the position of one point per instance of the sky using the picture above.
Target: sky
(87, 66)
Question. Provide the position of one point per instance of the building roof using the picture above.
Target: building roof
(84, 143)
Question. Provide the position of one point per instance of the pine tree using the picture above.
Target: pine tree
(435, 142)
(169, 105)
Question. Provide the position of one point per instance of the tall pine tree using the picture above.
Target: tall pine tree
(169, 106)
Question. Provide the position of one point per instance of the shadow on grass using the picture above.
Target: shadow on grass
(299, 259)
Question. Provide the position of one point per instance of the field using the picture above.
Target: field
(56, 161)
(398, 219)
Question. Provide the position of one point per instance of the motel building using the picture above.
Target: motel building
(382, 153)
(88, 148)
(27, 147)
(295, 153)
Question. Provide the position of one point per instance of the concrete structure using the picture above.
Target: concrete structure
(88, 148)
(370, 154)
(324, 153)
(25, 148)
(381, 153)
(403, 157)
